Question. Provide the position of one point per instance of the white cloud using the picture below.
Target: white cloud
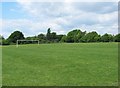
(108, 18)
(64, 16)
(28, 27)
(101, 29)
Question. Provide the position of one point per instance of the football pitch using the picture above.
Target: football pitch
(62, 64)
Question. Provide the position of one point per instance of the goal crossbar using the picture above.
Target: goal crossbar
(26, 40)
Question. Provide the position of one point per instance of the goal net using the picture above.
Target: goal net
(27, 42)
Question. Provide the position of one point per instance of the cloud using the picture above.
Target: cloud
(97, 7)
(87, 13)
(62, 17)
(28, 27)
(101, 29)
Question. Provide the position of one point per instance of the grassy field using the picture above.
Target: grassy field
(82, 64)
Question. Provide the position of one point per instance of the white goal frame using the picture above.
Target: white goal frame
(26, 40)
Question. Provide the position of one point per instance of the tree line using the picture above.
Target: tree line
(74, 36)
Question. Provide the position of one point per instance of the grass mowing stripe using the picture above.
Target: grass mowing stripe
(78, 64)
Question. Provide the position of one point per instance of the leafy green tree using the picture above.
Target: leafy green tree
(5, 42)
(83, 39)
(81, 35)
(91, 37)
(111, 38)
(97, 38)
(48, 34)
(63, 39)
(53, 36)
(1, 38)
(73, 36)
(17, 35)
(41, 36)
(117, 38)
(59, 37)
(107, 38)
(30, 38)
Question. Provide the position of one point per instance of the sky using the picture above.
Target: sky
(33, 18)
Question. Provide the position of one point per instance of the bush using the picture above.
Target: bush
(5, 42)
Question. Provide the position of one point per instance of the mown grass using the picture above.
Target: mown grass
(78, 64)
(0, 67)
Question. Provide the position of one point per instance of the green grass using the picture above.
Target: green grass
(0, 67)
(78, 64)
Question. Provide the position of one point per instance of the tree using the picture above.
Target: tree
(53, 36)
(107, 38)
(1, 38)
(59, 37)
(91, 37)
(63, 39)
(111, 38)
(41, 36)
(97, 38)
(83, 39)
(48, 34)
(117, 38)
(73, 36)
(17, 35)
(5, 42)
(31, 38)
(81, 35)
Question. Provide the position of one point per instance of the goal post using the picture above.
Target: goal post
(17, 42)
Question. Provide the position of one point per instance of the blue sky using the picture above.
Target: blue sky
(11, 10)
(33, 18)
